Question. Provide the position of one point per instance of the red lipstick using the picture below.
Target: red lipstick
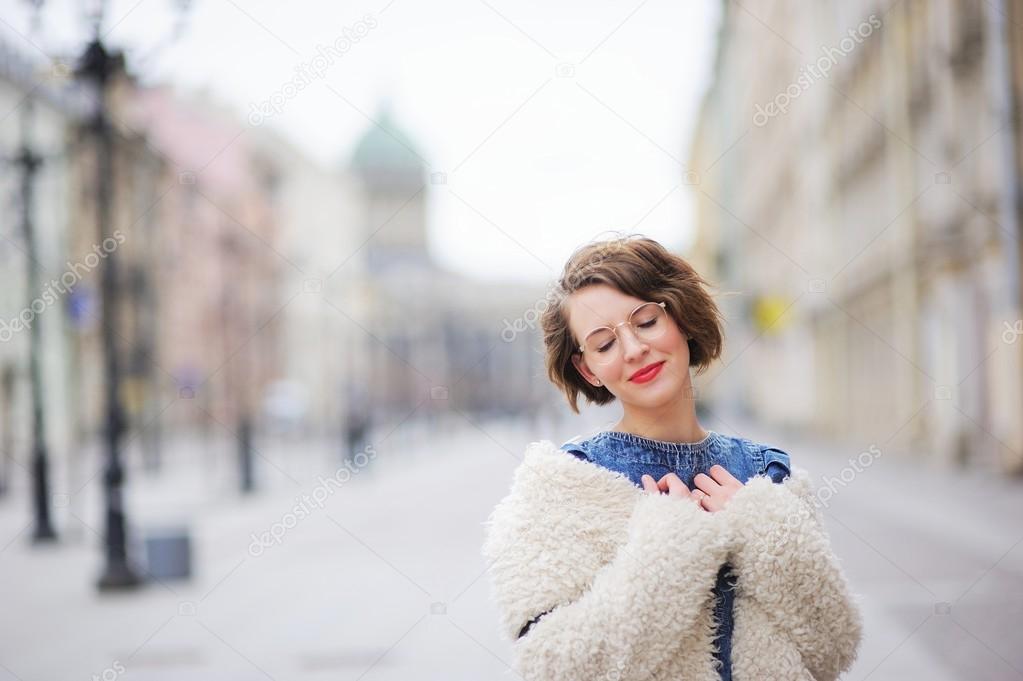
(647, 373)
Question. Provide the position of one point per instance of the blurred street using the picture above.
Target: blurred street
(385, 581)
(284, 295)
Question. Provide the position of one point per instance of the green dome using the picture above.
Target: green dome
(386, 147)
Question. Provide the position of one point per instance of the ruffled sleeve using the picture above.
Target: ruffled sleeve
(787, 567)
(778, 466)
(576, 448)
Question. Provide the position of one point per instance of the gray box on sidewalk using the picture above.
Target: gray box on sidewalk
(169, 552)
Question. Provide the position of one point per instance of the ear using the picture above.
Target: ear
(584, 371)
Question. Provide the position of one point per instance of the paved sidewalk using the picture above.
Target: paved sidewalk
(383, 579)
(378, 575)
(936, 554)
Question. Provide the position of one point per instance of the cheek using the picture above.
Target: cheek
(673, 342)
(610, 374)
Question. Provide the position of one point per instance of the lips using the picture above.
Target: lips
(646, 372)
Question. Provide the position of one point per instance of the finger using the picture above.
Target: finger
(706, 483)
(702, 499)
(676, 487)
(721, 475)
(649, 485)
(662, 484)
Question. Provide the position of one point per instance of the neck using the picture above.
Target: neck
(672, 422)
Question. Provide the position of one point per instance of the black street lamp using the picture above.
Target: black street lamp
(99, 67)
(29, 162)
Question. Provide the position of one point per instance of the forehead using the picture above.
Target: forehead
(598, 305)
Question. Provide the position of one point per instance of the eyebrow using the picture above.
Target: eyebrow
(609, 325)
(605, 325)
(613, 327)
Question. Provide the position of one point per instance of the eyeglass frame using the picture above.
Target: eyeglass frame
(628, 320)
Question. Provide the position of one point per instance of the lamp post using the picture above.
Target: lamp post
(28, 161)
(99, 67)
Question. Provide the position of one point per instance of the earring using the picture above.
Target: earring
(598, 382)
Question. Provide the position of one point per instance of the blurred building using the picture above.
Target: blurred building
(193, 211)
(49, 109)
(56, 112)
(857, 173)
(417, 336)
(219, 274)
(255, 284)
(313, 205)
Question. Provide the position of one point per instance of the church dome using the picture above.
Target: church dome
(386, 152)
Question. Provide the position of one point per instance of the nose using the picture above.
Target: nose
(632, 347)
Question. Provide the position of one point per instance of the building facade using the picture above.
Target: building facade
(857, 174)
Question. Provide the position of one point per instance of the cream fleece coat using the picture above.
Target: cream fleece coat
(627, 577)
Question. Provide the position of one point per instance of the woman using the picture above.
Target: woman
(658, 549)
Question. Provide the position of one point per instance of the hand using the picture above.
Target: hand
(670, 483)
(713, 491)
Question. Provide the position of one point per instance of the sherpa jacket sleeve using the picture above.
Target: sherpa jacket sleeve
(638, 606)
(785, 564)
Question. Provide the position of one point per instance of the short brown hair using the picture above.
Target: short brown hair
(640, 267)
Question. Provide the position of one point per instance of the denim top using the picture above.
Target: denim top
(634, 455)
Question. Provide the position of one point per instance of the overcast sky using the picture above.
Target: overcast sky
(554, 122)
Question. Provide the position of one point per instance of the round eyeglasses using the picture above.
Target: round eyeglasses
(648, 322)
